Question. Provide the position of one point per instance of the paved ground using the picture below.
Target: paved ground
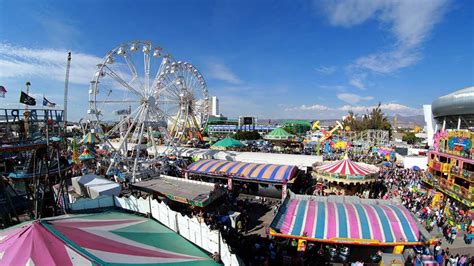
(458, 247)
(261, 215)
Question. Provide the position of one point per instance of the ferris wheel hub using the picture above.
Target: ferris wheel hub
(151, 101)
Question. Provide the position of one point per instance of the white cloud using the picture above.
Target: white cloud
(333, 87)
(48, 64)
(388, 62)
(314, 107)
(357, 81)
(353, 98)
(388, 108)
(410, 22)
(308, 111)
(219, 71)
(325, 70)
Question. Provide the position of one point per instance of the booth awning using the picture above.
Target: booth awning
(227, 143)
(359, 222)
(272, 173)
(181, 190)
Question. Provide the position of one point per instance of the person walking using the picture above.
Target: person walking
(453, 237)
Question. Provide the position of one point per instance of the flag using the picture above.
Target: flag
(27, 99)
(2, 91)
(46, 102)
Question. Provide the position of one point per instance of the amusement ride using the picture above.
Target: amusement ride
(158, 101)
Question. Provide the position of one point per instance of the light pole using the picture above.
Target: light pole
(26, 114)
(66, 86)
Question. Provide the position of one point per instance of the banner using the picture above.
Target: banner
(26, 99)
(46, 102)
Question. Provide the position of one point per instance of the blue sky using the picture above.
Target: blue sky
(272, 59)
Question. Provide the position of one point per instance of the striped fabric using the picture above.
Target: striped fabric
(90, 138)
(108, 238)
(345, 221)
(273, 173)
(346, 167)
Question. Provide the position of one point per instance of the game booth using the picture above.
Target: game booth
(349, 221)
(190, 192)
(269, 179)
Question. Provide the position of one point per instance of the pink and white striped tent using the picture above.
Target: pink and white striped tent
(347, 167)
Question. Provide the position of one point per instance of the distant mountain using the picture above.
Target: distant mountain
(402, 121)
(408, 121)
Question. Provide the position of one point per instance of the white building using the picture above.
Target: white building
(214, 106)
(429, 123)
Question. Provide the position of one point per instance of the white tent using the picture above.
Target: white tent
(102, 187)
(93, 186)
(301, 161)
(78, 183)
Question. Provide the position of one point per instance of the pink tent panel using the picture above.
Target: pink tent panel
(34, 244)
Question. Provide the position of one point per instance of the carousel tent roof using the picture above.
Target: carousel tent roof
(279, 133)
(228, 143)
(101, 238)
(32, 243)
(272, 173)
(345, 220)
(347, 167)
(86, 155)
(90, 138)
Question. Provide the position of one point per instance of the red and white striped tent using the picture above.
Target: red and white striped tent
(347, 167)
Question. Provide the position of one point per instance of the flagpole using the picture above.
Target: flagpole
(27, 116)
(66, 86)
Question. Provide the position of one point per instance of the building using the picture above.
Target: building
(225, 130)
(451, 161)
(455, 110)
(214, 106)
(429, 121)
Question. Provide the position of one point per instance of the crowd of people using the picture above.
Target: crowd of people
(393, 183)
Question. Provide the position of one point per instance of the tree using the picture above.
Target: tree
(410, 138)
(374, 119)
(247, 135)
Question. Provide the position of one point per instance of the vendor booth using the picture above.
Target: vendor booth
(189, 192)
(347, 220)
(268, 174)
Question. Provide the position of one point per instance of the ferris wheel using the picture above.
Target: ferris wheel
(139, 98)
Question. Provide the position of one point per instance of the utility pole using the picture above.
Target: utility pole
(66, 86)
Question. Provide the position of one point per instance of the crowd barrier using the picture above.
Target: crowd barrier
(190, 228)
